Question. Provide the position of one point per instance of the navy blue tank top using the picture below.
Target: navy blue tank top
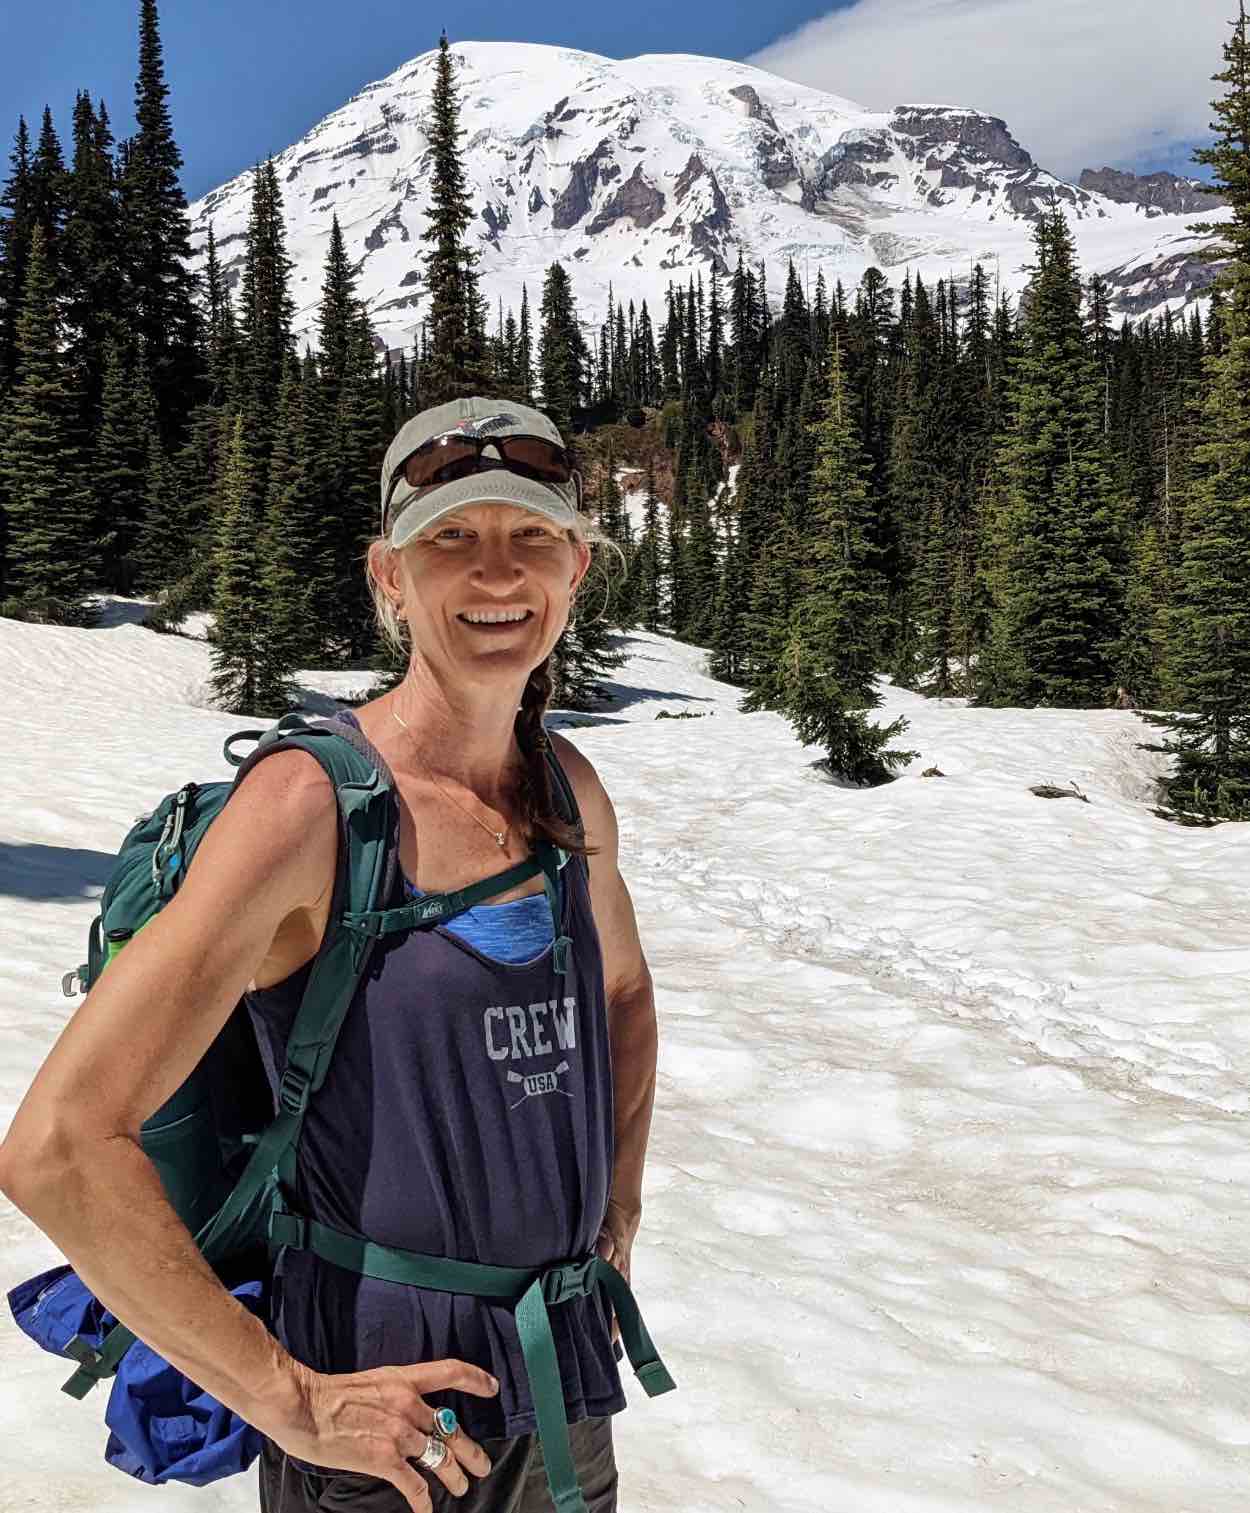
(467, 1113)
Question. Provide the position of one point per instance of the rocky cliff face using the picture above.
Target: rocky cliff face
(651, 170)
(1156, 193)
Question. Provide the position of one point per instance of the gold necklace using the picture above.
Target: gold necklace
(500, 837)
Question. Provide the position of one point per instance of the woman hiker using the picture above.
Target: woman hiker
(478, 1106)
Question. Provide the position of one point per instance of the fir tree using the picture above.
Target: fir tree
(15, 232)
(91, 255)
(562, 352)
(50, 556)
(647, 560)
(583, 655)
(525, 350)
(240, 679)
(359, 446)
(290, 547)
(835, 629)
(1059, 573)
(122, 456)
(163, 549)
(1209, 622)
(337, 315)
(455, 363)
(48, 195)
(157, 239)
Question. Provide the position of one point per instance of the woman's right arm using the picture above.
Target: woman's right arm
(73, 1163)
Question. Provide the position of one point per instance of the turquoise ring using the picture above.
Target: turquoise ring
(445, 1423)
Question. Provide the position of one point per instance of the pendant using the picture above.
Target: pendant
(501, 836)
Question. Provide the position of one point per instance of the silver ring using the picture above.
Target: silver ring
(445, 1423)
(434, 1454)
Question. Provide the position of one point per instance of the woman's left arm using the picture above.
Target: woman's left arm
(631, 1006)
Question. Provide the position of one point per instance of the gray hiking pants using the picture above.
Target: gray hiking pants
(517, 1482)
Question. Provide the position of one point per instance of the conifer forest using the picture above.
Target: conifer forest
(1016, 502)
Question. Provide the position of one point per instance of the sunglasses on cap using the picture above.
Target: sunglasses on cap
(444, 459)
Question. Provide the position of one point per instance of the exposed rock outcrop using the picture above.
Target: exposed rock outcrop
(575, 199)
(1156, 193)
(756, 109)
(638, 199)
(1137, 289)
(850, 161)
(380, 234)
(497, 217)
(707, 225)
(970, 130)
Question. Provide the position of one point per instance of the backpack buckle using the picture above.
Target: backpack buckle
(293, 1090)
(575, 1279)
(288, 1229)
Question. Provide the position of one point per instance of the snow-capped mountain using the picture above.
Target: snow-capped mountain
(642, 171)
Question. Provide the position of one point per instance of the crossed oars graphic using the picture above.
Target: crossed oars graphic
(518, 1077)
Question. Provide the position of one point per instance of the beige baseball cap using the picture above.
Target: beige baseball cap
(406, 512)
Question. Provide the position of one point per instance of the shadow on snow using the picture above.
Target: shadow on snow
(44, 873)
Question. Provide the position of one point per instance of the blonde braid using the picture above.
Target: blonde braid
(535, 800)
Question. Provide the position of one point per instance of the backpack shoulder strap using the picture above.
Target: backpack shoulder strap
(367, 867)
(562, 790)
(368, 857)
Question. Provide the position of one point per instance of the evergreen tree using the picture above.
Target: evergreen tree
(360, 444)
(265, 322)
(163, 548)
(337, 315)
(15, 232)
(455, 364)
(238, 597)
(91, 255)
(290, 550)
(648, 559)
(48, 195)
(1209, 622)
(525, 350)
(835, 629)
(50, 555)
(221, 354)
(157, 239)
(121, 466)
(1059, 573)
(562, 352)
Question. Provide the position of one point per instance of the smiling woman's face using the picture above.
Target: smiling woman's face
(488, 587)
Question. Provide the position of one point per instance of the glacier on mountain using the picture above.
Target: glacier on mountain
(642, 171)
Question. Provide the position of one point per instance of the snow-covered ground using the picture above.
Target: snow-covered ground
(949, 1197)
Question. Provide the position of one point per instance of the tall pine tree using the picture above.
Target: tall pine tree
(157, 239)
(827, 673)
(455, 364)
(50, 551)
(1059, 573)
(1209, 623)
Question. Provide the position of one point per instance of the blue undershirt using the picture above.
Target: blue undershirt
(518, 931)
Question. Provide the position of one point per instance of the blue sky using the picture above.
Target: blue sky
(1079, 83)
(249, 77)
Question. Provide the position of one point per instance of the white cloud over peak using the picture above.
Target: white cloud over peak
(1081, 83)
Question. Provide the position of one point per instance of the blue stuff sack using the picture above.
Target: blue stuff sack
(162, 1427)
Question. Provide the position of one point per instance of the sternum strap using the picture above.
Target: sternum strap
(532, 1290)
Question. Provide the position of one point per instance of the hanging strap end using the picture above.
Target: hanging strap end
(88, 1372)
(655, 1379)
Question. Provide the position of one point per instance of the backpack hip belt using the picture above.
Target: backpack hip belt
(532, 1290)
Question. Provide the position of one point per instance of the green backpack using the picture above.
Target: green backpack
(226, 1157)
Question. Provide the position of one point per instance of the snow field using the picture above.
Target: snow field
(947, 1200)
